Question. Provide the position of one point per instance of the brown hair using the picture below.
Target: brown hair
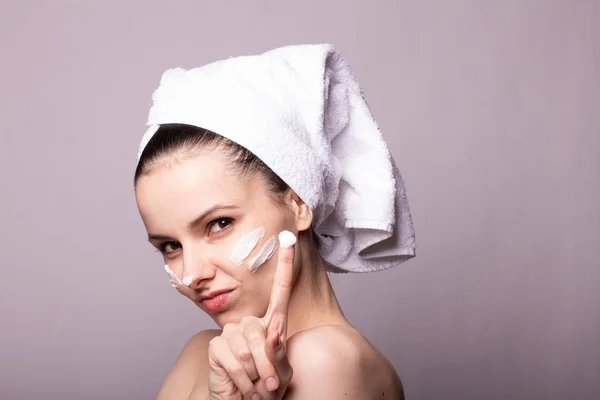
(172, 141)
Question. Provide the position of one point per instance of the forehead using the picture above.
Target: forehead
(180, 189)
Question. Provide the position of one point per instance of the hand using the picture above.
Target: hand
(249, 359)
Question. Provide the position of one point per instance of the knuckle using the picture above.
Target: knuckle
(229, 328)
(283, 283)
(214, 341)
(287, 258)
(243, 355)
(273, 340)
(236, 371)
(214, 345)
(254, 331)
(255, 338)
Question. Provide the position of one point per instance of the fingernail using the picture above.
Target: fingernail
(271, 383)
(286, 239)
(255, 396)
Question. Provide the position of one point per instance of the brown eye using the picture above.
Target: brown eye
(169, 247)
(219, 224)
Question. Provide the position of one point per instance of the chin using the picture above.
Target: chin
(233, 316)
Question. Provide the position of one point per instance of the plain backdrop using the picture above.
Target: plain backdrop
(490, 108)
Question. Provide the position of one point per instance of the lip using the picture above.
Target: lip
(215, 301)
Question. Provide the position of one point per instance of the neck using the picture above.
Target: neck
(313, 302)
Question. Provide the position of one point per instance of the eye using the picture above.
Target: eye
(168, 247)
(220, 224)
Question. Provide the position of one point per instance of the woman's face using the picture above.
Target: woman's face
(195, 212)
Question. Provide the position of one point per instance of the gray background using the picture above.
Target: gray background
(491, 109)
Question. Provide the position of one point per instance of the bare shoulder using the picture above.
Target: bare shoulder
(334, 361)
(190, 365)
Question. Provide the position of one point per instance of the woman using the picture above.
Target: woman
(226, 224)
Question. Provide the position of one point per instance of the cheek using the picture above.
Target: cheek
(252, 250)
(193, 255)
(245, 245)
(257, 290)
(264, 254)
(260, 281)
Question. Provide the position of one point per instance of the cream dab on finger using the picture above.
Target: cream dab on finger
(286, 239)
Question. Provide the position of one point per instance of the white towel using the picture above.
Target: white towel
(301, 111)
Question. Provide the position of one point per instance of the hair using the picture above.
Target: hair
(179, 141)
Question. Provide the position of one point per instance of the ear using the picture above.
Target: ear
(303, 215)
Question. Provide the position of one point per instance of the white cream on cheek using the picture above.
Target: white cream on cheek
(242, 250)
(264, 254)
(285, 239)
(172, 277)
(245, 245)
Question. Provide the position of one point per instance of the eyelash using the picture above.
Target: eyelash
(220, 219)
(161, 247)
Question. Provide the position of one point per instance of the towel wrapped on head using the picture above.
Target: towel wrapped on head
(301, 111)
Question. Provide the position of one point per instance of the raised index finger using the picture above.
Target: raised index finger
(284, 271)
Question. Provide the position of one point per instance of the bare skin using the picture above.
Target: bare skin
(289, 298)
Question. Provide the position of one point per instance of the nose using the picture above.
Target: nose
(197, 271)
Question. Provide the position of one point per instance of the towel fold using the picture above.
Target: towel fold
(301, 111)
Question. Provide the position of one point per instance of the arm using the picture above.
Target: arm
(190, 367)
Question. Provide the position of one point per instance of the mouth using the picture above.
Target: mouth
(215, 301)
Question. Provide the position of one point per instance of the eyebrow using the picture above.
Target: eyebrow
(196, 221)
